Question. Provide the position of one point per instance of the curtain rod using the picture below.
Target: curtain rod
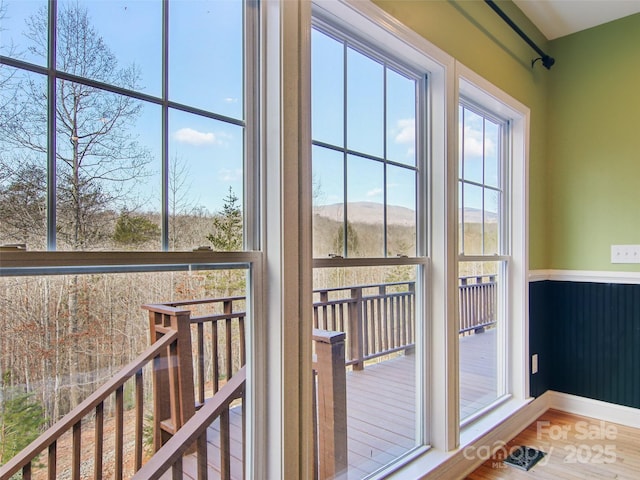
(547, 61)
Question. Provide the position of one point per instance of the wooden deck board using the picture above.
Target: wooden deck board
(381, 419)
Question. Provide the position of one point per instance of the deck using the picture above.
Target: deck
(381, 408)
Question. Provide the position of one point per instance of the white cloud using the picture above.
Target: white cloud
(231, 100)
(227, 175)
(405, 131)
(197, 138)
(473, 145)
(376, 192)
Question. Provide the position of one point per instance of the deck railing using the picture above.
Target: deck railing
(360, 323)
(477, 303)
(380, 319)
(163, 356)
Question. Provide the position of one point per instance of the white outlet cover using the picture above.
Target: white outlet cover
(625, 253)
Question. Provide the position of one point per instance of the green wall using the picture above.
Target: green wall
(594, 146)
(473, 34)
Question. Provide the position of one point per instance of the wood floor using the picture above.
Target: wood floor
(578, 448)
(381, 409)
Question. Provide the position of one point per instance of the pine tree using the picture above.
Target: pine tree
(227, 225)
(21, 421)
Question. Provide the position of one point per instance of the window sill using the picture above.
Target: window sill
(510, 417)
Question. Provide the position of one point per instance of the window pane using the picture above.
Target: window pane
(206, 180)
(472, 214)
(23, 33)
(492, 216)
(365, 104)
(482, 379)
(108, 170)
(492, 154)
(327, 89)
(23, 159)
(401, 118)
(401, 211)
(206, 56)
(328, 202)
(473, 146)
(381, 391)
(365, 208)
(117, 42)
(64, 336)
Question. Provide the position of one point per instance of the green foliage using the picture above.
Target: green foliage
(227, 226)
(134, 229)
(353, 241)
(21, 421)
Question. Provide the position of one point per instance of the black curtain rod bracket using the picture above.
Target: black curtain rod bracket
(547, 60)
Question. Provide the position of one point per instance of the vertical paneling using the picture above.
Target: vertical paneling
(588, 338)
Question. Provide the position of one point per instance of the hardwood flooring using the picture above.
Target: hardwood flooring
(577, 448)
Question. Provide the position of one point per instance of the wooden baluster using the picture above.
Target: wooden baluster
(215, 358)
(228, 308)
(324, 299)
(243, 347)
(365, 329)
(200, 361)
(139, 409)
(203, 464)
(225, 445)
(76, 449)
(355, 328)
(119, 440)
(52, 459)
(176, 470)
(98, 452)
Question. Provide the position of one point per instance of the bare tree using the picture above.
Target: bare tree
(97, 155)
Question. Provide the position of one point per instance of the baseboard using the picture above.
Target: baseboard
(587, 407)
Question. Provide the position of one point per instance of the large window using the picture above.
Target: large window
(483, 259)
(131, 134)
(128, 176)
(369, 162)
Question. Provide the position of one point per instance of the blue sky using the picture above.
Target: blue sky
(205, 59)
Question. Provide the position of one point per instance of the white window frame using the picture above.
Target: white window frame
(516, 312)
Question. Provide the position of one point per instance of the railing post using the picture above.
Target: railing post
(173, 385)
(332, 404)
(355, 329)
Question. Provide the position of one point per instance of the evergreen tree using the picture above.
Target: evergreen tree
(135, 229)
(21, 421)
(227, 225)
(227, 237)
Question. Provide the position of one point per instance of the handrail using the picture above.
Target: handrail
(66, 423)
(170, 455)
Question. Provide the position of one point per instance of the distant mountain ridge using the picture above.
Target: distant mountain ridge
(371, 213)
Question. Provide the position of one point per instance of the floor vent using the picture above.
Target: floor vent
(524, 457)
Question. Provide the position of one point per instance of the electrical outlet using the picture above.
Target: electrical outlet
(625, 253)
(534, 363)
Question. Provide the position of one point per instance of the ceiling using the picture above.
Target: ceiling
(557, 18)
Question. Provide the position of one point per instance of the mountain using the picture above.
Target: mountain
(371, 212)
(367, 212)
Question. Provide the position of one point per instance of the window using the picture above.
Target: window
(369, 173)
(116, 140)
(483, 259)
(492, 251)
(128, 176)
